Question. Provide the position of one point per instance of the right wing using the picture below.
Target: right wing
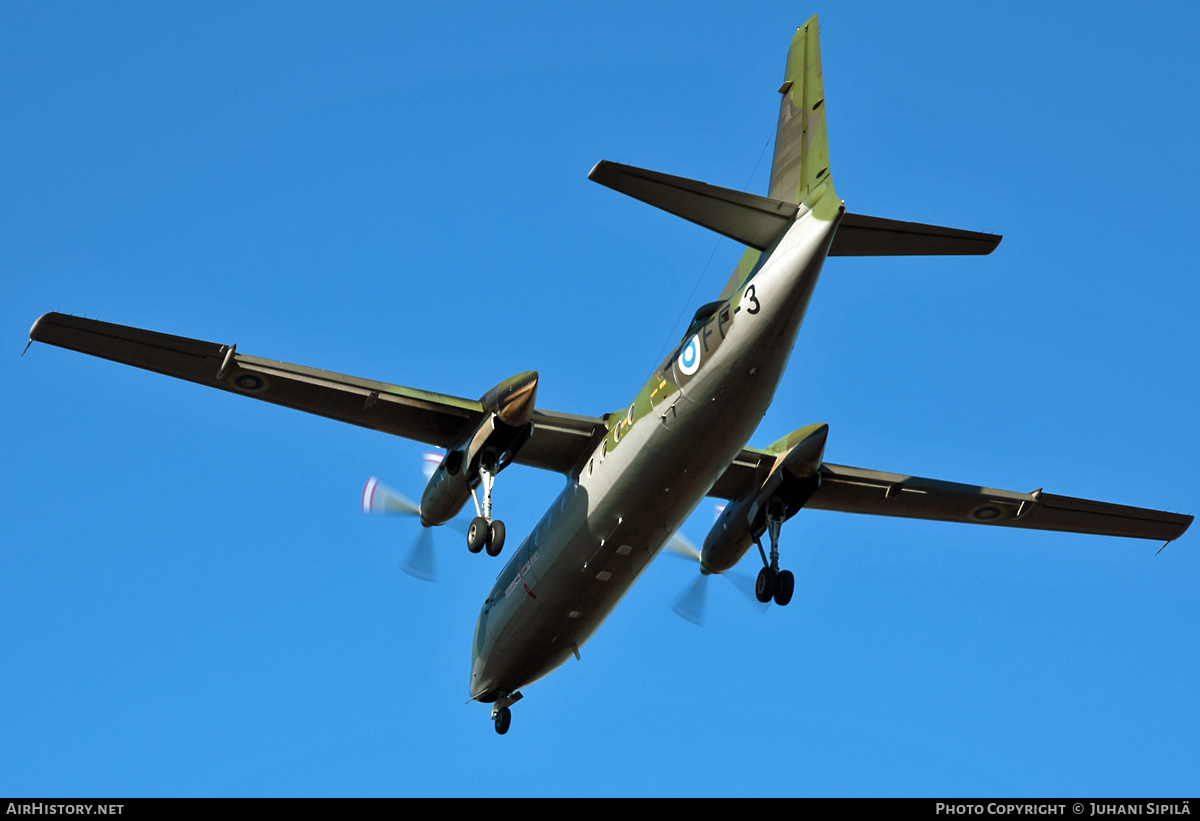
(857, 490)
(559, 441)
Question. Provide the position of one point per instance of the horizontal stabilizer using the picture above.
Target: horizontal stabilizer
(747, 218)
(861, 236)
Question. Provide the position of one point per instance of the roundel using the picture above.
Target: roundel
(689, 357)
(988, 513)
(249, 382)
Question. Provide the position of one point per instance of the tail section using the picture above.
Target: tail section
(800, 184)
(800, 169)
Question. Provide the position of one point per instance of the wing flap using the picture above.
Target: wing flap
(744, 475)
(561, 442)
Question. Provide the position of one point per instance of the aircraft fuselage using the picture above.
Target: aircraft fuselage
(657, 462)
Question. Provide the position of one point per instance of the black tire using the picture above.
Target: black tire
(764, 588)
(503, 719)
(477, 534)
(785, 585)
(496, 542)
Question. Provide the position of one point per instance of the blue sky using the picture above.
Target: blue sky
(194, 605)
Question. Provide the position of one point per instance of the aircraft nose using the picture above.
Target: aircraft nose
(475, 686)
(482, 674)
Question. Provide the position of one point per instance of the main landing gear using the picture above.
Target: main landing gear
(484, 531)
(772, 582)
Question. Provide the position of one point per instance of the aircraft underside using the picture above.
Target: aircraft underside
(605, 528)
(633, 476)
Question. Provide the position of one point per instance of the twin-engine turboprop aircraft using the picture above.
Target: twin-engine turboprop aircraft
(635, 474)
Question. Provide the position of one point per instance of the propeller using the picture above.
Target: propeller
(689, 605)
(379, 498)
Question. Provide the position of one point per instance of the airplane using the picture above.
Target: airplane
(633, 475)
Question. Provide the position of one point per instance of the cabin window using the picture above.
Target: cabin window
(629, 416)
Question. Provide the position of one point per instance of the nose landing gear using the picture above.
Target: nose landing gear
(501, 715)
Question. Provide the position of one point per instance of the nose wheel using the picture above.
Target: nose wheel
(501, 714)
(773, 583)
(503, 719)
(484, 531)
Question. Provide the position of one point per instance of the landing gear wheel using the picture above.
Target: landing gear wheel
(765, 587)
(495, 542)
(477, 534)
(503, 719)
(785, 583)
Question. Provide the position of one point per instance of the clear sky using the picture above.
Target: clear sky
(192, 603)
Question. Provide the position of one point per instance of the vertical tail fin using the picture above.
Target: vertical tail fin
(800, 168)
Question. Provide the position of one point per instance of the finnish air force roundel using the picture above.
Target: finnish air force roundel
(249, 382)
(689, 357)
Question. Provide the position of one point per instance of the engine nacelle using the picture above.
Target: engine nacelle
(504, 427)
(446, 492)
(792, 480)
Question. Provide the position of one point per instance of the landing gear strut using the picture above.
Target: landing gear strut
(501, 714)
(484, 531)
(772, 582)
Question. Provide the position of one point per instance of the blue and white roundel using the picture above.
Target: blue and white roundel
(689, 357)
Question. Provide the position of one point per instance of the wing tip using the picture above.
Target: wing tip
(37, 330)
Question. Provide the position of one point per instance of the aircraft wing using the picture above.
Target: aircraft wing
(857, 490)
(559, 440)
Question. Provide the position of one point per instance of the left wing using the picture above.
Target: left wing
(559, 440)
(857, 490)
